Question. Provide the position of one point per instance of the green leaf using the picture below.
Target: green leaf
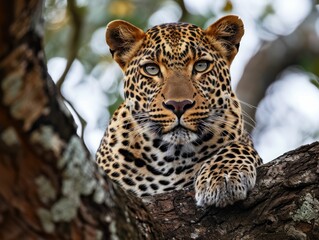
(315, 82)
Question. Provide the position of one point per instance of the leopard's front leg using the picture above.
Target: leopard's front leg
(227, 176)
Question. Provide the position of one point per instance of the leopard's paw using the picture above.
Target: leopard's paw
(222, 187)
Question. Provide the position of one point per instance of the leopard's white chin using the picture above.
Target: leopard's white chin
(180, 136)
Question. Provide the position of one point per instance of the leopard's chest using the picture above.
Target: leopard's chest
(150, 166)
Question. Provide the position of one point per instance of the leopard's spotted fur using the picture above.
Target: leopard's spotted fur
(180, 123)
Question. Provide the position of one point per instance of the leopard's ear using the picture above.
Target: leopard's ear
(227, 33)
(124, 39)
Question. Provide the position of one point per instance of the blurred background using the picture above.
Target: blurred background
(275, 73)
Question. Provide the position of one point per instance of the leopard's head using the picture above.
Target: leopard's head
(177, 81)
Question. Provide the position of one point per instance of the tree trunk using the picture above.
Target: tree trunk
(50, 188)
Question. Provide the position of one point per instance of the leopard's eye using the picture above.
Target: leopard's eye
(151, 69)
(201, 66)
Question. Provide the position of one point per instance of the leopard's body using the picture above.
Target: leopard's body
(180, 123)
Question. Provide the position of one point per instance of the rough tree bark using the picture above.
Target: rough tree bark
(50, 188)
(283, 205)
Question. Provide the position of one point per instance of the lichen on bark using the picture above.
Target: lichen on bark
(308, 211)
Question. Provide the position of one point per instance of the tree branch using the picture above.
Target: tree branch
(75, 39)
(283, 205)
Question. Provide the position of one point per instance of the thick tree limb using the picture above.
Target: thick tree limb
(283, 205)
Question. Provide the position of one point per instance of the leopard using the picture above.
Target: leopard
(180, 125)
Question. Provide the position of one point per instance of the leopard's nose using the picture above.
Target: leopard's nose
(178, 107)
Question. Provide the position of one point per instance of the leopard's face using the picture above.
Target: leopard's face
(177, 85)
